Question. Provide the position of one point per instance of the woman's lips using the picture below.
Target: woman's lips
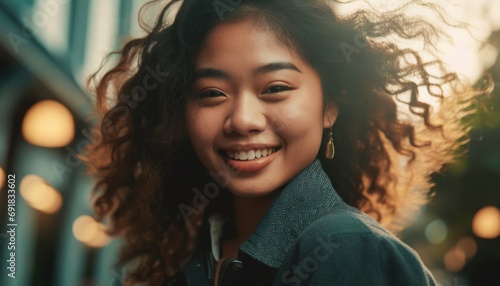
(250, 161)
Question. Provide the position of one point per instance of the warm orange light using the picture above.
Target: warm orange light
(40, 195)
(48, 123)
(454, 260)
(90, 232)
(83, 228)
(2, 177)
(468, 246)
(100, 239)
(486, 222)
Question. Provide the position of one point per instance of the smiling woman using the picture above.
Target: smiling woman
(243, 86)
(253, 94)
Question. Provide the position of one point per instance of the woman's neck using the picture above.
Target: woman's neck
(248, 212)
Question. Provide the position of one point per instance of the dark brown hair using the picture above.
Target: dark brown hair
(146, 169)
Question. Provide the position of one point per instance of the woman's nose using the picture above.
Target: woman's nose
(246, 115)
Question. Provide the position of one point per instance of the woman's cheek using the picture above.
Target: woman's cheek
(292, 124)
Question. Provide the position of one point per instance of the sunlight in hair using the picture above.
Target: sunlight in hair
(347, 7)
(463, 53)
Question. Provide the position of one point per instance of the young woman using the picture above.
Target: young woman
(247, 140)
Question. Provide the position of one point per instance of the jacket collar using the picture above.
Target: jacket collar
(308, 196)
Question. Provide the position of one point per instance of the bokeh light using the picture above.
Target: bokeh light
(486, 222)
(2, 177)
(436, 231)
(48, 123)
(454, 260)
(40, 195)
(468, 246)
(90, 232)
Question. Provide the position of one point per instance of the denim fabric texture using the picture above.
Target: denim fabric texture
(309, 236)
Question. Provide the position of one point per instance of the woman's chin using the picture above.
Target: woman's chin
(245, 192)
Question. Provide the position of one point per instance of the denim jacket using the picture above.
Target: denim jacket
(309, 236)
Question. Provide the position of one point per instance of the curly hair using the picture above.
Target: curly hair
(388, 140)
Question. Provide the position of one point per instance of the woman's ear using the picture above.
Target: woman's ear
(330, 114)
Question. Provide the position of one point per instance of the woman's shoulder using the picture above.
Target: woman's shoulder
(355, 232)
(348, 247)
(346, 221)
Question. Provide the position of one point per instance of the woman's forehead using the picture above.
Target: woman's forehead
(238, 42)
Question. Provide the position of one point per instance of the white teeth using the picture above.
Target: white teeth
(258, 154)
(249, 155)
(243, 155)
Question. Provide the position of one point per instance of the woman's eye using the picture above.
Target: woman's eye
(277, 88)
(210, 93)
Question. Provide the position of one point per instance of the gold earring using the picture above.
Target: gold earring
(330, 149)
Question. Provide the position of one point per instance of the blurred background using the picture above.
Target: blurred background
(48, 48)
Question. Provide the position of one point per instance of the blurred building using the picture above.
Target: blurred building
(48, 48)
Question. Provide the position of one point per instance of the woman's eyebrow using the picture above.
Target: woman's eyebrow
(210, 73)
(272, 67)
(267, 68)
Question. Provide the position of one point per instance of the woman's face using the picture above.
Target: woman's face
(257, 115)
